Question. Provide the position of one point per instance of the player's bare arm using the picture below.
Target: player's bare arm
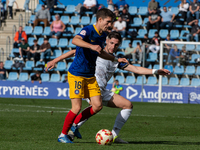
(146, 71)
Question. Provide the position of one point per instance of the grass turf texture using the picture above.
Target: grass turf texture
(36, 124)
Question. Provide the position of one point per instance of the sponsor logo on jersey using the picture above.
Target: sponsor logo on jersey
(76, 92)
(83, 32)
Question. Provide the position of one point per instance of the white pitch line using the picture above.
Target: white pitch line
(35, 111)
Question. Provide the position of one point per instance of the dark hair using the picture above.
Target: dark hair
(104, 13)
(168, 35)
(1, 61)
(138, 43)
(34, 40)
(146, 35)
(45, 39)
(37, 72)
(115, 35)
(116, 80)
(156, 32)
(129, 43)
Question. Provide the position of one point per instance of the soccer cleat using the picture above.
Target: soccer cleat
(64, 139)
(71, 135)
(118, 140)
(74, 129)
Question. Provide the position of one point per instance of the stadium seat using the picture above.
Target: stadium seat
(163, 33)
(185, 82)
(150, 66)
(182, 34)
(156, 66)
(23, 76)
(120, 79)
(53, 18)
(88, 12)
(164, 81)
(8, 64)
(61, 66)
(134, 44)
(130, 80)
(29, 65)
(132, 10)
(69, 32)
(179, 46)
(14, 50)
(120, 53)
(174, 10)
(198, 71)
(59, 9)
(32, 18)
(38, 7)
(74, 20)
(45, 77)
(93, 20)
(37, 68)
(30, 41)
(71, 45)
(169, 67)
(141, 33)
(70, 9)
(55, 77)
(56, 53)
(195, 82)
(31, 74)
(145, 22)
(12, 76)
(174, 34)
(63, 42)
(63, 77)
(137, 22)
(85, 20)
(28, 30)
(197, 48)
(142, 11)
(77, 30)
(53, 42)
(131, 30)
(38, 30)
(190, 70)
(152, 33)
(152, 57)
(179, 70)
(125, 44)
(152, 80)
(137, 65)
(68, 65)
(47, 31)
(111, 80)
(40, 41)
(173, 81)
(139, 80)
(65, 19)
(194, 56)
(190, 47)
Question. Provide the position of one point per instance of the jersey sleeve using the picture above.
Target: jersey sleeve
(122, 65)
(85, 32)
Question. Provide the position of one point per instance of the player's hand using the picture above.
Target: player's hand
(50, 65)
(163, 72)
(123, 60)
(96, 48)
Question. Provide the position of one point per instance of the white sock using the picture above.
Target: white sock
(61, 135)
(121, 118)
(81, 123)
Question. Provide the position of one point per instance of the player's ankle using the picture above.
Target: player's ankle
(62, 135)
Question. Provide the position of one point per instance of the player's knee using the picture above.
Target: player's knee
(76, 109)
(97, 108)
(128, 105)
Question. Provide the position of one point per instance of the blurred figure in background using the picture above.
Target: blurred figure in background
(116, 88)
(2, 71)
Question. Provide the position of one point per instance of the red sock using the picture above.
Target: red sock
(68, 122)
(85, 114)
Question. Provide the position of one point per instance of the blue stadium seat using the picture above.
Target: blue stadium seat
(132, 10)
(163, 33)
(141, 33)
(179, 70)
(28, 30)
(182, 33)
(169, 67)
(190, 70)
(125, 44)
(65, 19)
(180, 46)
(23, 76)
(30, 41)
(63, 77)
(8, 64)
(145, 22)
(152, 80)
(68, 65)
(37, 64)
(120, 53)
(45, 77)
(134, 44)
(139, 80)
(131, 30)
(164, 81)
(173, 81)
(71, 45)
(130, 80)
(47, 31)
(53, 42)
(12, 76)
(63, 42)
(198, 71)
(137, 65)
(77, 30)
(74, 20)
(56, 53)
(190, 47)
(152, 33)
(70, 9)
(38, 7)
(29, 65)
(111, 80)
(150, 66)
(174, 34)
(174, 10)
(185, 82)
(38, 30)
(195, 82)
(152, 57)
(142, 11)
(14, 50)
(194, 56)
(31, 74)
(156, 66)
(40, 41)
(85, 20)
(120, 79)
(53, 18)
(88, 12)
(59, 9)
(137, 22)
(55, 77)
(61, 66)
(32, 18)
(93, 20)
(197, 48)
(69, 32)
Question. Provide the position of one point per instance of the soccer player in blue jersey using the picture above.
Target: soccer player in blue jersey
(82, 82)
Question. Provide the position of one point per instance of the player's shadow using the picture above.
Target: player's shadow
(164, 142)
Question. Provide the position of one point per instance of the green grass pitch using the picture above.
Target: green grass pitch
(35, 124)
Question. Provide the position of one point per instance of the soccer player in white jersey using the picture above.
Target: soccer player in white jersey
(104, 71)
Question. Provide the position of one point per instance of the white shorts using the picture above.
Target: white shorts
(106, 96)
